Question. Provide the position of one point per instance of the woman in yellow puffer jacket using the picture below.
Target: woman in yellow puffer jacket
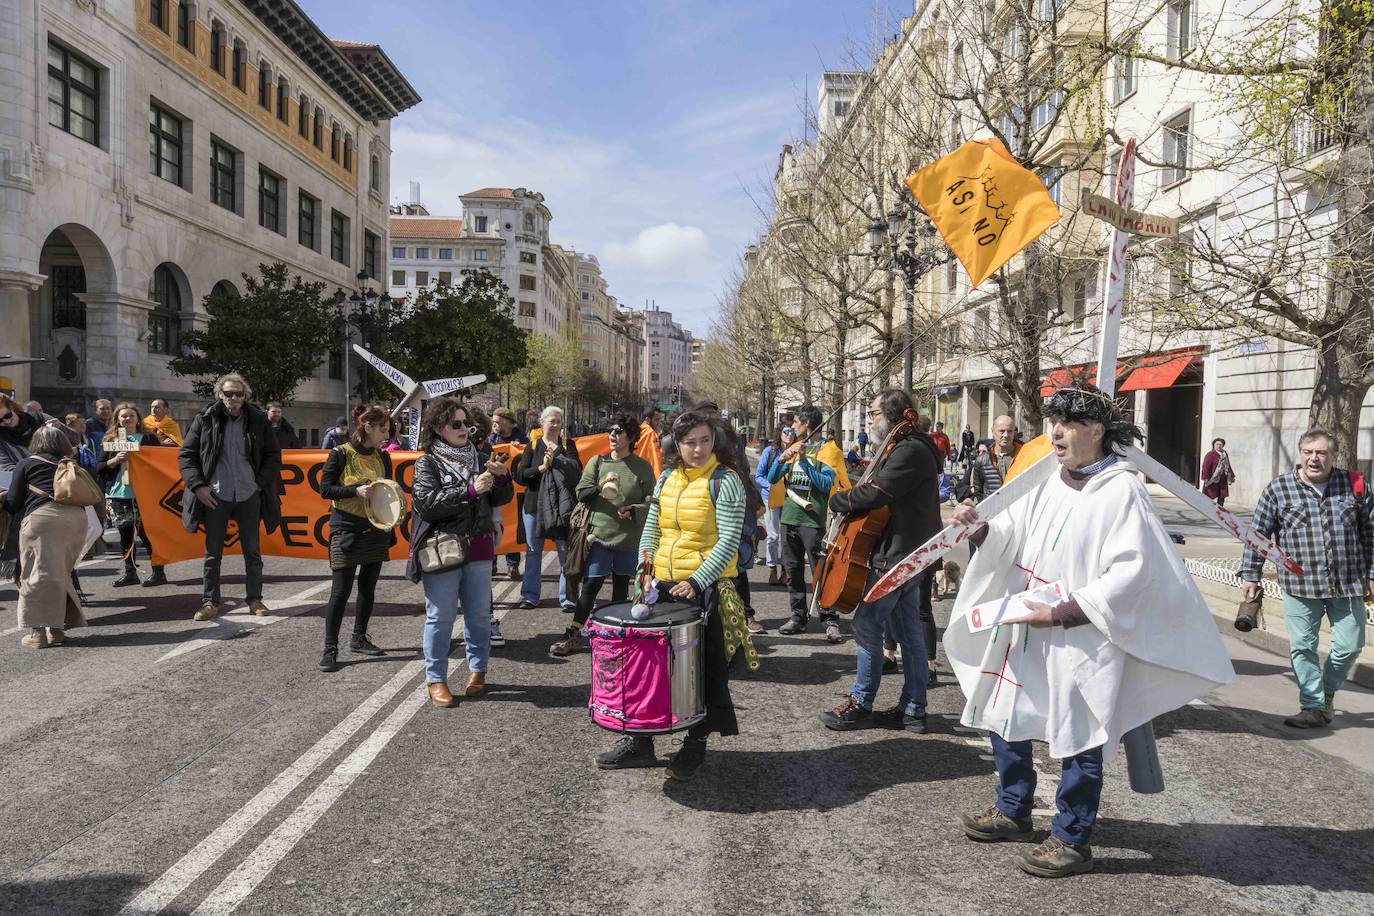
(690, 542)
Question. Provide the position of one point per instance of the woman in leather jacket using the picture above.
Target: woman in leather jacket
(457, 486)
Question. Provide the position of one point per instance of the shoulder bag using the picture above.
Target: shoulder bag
(72, 485)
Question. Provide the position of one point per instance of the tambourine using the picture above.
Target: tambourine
(385, 504)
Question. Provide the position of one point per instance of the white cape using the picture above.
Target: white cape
(1150, 644)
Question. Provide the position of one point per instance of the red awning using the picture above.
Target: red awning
(1159, 371)
(1058, 378)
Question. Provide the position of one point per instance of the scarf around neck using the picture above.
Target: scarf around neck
(464, 457)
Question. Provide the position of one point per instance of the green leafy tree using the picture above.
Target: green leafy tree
(445, 331)
(276, 334)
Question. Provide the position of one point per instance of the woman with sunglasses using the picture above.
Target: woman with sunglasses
(456, 491)
(616, 486)
(357, 548)
(113, 473)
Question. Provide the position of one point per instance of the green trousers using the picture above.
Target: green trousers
(1303, 617)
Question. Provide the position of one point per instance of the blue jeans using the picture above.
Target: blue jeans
(902, 607)
(1303, 619)
(534, 562)
(1080, 788)
(470, 584)
(772, 524)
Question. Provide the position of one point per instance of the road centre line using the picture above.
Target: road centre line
(191, 866)
(259, 864)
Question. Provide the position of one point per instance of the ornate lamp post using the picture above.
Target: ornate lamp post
(363, 295)
(899, 244)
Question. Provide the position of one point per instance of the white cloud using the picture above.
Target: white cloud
(666, 249)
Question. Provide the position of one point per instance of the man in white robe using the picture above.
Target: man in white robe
(1132, 638)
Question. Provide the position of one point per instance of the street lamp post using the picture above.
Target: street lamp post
(363, 295)
(897, 244)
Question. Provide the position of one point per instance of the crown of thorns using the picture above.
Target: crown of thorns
(1081, 402)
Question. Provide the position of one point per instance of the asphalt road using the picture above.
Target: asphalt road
(155, 764)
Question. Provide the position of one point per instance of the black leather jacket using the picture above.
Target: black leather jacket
(441, 502)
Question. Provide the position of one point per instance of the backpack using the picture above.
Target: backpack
(72, 485)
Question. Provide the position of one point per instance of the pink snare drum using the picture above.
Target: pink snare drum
(646, 674)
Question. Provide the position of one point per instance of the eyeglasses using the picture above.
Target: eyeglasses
(231, 394)
(618, 431)
(875, 413)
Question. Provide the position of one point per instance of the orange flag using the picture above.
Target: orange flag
(985, 204)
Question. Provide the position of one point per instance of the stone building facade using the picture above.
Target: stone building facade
(153, 151)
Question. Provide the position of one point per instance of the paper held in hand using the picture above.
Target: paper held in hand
(1012, 608)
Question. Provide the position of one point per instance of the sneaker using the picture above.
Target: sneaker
(157, 578)
(364, 646)
(208, 611)
(896, 719)
(848, 716)
(793, 626)
(1329, 709)
(1307, 718)
(1056, 859)
(687, 760)
(257, 608)
(568, 608)
(329, 661)
(527, 605)
(573, 642)
(754, 627)
(630, 751)
(832, 633)
(992, 826)
(497, 639)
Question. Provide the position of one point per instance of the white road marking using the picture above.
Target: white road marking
(9, 587)
(192, 865)
(227, 629)
(260, 862)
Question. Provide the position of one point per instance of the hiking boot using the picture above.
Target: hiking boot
(896, 719)
(130, 577)
(1056, 859)
(992, 826)
(1307, 718)
(793, 626)
(157, 578)
(630, 751)
(848, 716)
(208, 611)
(56, 637)
(498, 639)
(257, 608)
(754, 627)
(832, 633)
(687, 760)
(572, 642)
(1329, 709)
(364, 646)
(329, 661)
(37, 638)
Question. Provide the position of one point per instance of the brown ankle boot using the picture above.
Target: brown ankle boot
(440, 696)
(477, 682)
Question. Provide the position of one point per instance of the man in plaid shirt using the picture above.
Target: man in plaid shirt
(1320, 516)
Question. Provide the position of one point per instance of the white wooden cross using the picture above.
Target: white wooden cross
(922, 557)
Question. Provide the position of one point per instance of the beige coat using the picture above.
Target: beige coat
(51, 540)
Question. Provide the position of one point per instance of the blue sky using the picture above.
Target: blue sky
(646, 125)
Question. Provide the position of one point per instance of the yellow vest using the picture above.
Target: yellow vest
(358, 469)
(686, 524)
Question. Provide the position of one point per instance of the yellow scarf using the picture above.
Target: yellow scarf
(165, 427)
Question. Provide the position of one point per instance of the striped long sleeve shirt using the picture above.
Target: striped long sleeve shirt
(729, 524)
(1329, 533)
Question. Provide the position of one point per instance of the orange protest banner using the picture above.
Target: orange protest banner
(985, 204)
(304, 532)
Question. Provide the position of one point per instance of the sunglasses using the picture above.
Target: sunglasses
(789, 431)
(618, 431)
(231, 394)
(456, 425)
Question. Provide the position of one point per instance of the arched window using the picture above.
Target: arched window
(224, 290)
(165, 319)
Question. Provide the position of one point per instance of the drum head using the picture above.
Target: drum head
(663, 614)
(385, 504)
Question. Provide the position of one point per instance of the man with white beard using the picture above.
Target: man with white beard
(1131, 638)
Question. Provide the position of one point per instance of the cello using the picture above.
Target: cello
(842, 570)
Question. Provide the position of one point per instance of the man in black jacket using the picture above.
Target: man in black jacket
(282, 429)
(231, 464)
(907, 482)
